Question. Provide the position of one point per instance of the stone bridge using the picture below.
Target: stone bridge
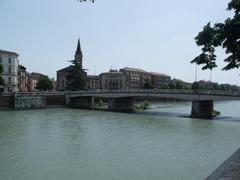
(118, 100)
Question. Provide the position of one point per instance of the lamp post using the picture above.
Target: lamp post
(196, 73)
(210, 75)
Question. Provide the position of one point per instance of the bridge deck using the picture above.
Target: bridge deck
(172, 94)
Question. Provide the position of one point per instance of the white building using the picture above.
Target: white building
(9, 61)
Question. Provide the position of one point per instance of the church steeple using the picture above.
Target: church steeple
(78, 53)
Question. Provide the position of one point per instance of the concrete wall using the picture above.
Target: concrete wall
(81, 102)
(6, 102)
(29, 101)
(202, 109)
(121, 105)
(55, 100)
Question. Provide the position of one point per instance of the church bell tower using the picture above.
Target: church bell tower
(78, 54)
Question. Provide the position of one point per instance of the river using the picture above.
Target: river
(72, 144)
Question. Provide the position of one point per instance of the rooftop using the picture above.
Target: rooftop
(63, 69)
(112, 72)
(159, 74)
(92, 76)
(133, 69)
(8, 52)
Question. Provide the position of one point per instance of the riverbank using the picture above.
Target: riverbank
(229, 170)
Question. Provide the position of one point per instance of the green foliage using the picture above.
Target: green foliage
(207, 85)
(206, 38)
(178, 84)
(225, 35)
(216, 113)
(142, 106)
(147, 84)
(172, 85)
(1, 79)
(44, 83)
(75, 77)
(234, 5)
(195, 86)
(164, 86)
(100, 103)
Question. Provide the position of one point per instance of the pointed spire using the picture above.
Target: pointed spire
(78, 51)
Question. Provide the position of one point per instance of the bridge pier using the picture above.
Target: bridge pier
(121, 104)
(81, 102)
(202, 109)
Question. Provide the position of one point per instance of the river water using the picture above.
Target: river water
(72, 144)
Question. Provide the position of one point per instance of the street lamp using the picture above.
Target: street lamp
(196, 73)
(210, 75)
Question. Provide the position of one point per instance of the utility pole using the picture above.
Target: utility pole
(210, 75)
(196, 73)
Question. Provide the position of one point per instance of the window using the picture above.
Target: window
(0, 60)
(9, 60)
(9, 80)
(9, 69)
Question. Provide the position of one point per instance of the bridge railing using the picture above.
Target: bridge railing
(163, 91)
(157, 91)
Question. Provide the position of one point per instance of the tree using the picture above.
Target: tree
(225, 35)
(164, 86)
(44, 83)
(195, 86)
(147, 83)
(1, 79)
(172, 85)
(75, 76)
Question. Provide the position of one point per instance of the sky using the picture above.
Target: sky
(156, 35)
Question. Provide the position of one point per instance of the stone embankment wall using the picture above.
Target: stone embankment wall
(29, 101)
(19, 101)
(54, 100)
(6, 102)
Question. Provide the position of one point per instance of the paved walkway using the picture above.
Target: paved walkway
(229, 170)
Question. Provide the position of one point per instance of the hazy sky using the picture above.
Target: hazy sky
(154, 35)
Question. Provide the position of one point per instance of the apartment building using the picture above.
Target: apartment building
(9, 61)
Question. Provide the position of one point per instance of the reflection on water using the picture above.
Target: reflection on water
(75, 144)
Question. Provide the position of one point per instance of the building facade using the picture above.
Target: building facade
(135, 78)
(113, 80)
(33, 79)
(93, 82)
(62, 81)
(159, 80)
(54, 83)
(22, 79)
(9, 61)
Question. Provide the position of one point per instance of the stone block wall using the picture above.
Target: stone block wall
(6, 102)
(55, 100)
(29, 101)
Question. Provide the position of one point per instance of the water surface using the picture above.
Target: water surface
(60, 144)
